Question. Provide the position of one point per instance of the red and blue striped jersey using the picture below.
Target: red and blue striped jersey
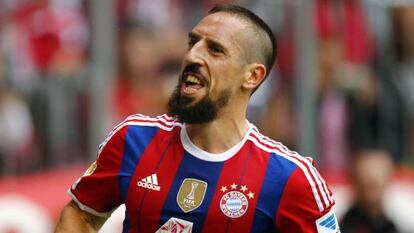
(169, 185)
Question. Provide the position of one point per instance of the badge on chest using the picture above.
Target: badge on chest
(235, 200)
(191, 194)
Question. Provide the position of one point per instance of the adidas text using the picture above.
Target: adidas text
(149, 182)
(148, 186)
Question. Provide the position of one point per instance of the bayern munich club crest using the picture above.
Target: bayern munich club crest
(234, 202)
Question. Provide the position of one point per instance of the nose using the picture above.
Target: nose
(194, 54)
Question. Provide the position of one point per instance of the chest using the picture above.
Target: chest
(175, 190)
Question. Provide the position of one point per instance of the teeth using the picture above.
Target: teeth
(192, 79)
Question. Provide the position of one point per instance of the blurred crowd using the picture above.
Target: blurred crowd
(365, 77)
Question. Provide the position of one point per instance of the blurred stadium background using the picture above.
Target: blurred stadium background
(71, 69)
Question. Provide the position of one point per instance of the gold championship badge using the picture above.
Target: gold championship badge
(191, 194)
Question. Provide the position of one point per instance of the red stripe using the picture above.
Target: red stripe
(90, 191)
(253, 179)
(152, 201)
(245, 168)
(297, 214)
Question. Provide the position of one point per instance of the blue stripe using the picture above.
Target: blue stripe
(137, 139)
(206, 171)
(277, 174)
(125, 224)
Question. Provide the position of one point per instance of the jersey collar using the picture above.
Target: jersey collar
(207, 156)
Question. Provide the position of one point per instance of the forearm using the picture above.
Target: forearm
(73, 219)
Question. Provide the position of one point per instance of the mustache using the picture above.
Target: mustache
(196, 70)
(192, 68)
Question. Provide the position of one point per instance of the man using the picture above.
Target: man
(371, 173)
(204, 167)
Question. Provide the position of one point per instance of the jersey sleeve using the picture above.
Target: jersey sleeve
(306, 204)
(98, 190)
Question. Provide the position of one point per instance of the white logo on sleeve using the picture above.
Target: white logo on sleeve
(327, 223)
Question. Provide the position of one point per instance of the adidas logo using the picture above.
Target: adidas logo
(330, 222)
(150, 182)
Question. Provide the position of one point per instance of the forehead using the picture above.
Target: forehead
(224, 28)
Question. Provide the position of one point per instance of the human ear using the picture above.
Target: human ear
(254, 75)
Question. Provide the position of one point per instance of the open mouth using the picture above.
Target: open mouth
(191, 83)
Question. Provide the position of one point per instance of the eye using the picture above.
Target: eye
(191, 43)
(215, 49)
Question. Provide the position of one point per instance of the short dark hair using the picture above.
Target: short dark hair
(269, 55)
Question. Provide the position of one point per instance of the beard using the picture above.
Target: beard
(204, 111)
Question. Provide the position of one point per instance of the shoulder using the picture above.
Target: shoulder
(301, 174)
(141, 123)
(164, 122)
(279, 151)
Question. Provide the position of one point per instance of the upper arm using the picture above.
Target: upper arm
(305, 204)
(73, 219)
(98, 190)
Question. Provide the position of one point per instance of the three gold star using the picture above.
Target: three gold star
(234, 186)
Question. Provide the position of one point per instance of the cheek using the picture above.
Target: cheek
(222, 83)
(226, 74)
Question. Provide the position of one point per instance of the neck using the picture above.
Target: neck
(219, 135)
